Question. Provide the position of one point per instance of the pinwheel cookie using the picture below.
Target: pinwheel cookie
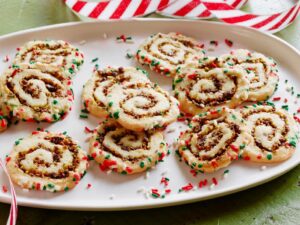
(46, 161)
(142, 106)
(50, 55)
(125, 151)
(31, 94)
(199, 91)
(213, 144)
(274, 134)
(261, 72)
(97, 88)
(167, 53)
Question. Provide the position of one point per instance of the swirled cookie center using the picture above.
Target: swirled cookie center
(54, 160)
(211, 91)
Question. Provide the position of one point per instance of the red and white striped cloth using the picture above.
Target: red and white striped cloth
(224, 10)
(194, 9)
(12, 219)
(270, 23)
(116, 9)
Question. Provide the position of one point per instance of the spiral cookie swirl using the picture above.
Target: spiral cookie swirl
(213, 144)
(274, 134)
(200, 91)
(125, 151)
(51, 56)
(141, 106)
(31, 94)
(261, 72)
(97, 88)
(47, 161)
(167, 53)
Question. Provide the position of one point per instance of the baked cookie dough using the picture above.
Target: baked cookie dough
(51, 55)
(274, 134)
(142, 106)
(32, 94)
(168, 53)
(96, 90)
(261, 72)
(126, 151)
(212, 144)
(198, 90)
(47, 161)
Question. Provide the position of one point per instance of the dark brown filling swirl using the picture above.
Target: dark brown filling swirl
(56, 156)
(213, 101)
(152, 102)
(36, 51)
(117, 139)
(54, 90)
(269, 123)
(186, 43)
(215, 135)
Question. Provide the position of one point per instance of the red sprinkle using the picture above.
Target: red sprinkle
(38, 186)
(246, 158)
(202, 183)
(107, 163)
(128, 169)
(193, 172)
(187, 187)
(276, 99)
(4, 189)
(168, 191)
(228, 42)
(164, 181)
(88, 130)
(297, 119)
(215, 181)
(234, 148)
(88, 186)
(192, 76)
(214, 164)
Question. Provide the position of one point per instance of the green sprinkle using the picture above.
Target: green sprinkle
(269, 156)
(178, 80)
(71, 70)
(155, 195)
(55, 116)
(116, 115)
(242, 146)
(129, 55)
(124, 172)
(200, 165)
(83, 116)
(285, 107)
(107, 156)
(110, 104)
(226, 171)
(142, 164)
(55, 102)
(50, 185)
(95, 60)
(66, 189)
(293, 143)
(17, 142)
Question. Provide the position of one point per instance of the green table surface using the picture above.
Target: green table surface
(277, 202)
